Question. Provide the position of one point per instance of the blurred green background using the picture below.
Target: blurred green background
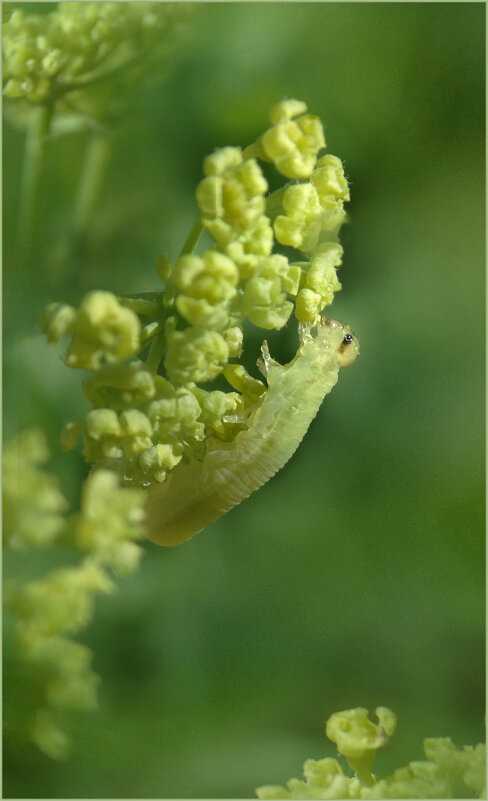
(355, 577)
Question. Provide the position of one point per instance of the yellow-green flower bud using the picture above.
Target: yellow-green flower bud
(202, 313)
(61, 602)
(321, 276)
(111, 520)
(177, 414)
(312, 207)
(47, 735)
(329, 180)
(294, 140)
(135, 431)
(461, 767)
(33, 505)
(207, 285)
(215, 405)
(354, 734)
(234, 339)
(265, 303)
(286, 110)
(195, 355)
(246, 249)
(214, 276)
(102, 423)
(162, 409)
(102, 440)
(163, 267)
(157, 460)
(474, 776)
(324, 778)
(418, 780)
(301, 201)
(262, 291)
(290, 278)
(57, 321)
(274, 317)
(231, 196)
(121, 386)
(103, 330)
(301, 225)
(272, 791)
(223, 159)
(358, 739)
(134, 423)
(70, 434)
(308, 305)
(187, 407)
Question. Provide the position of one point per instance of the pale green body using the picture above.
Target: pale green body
(197, 494)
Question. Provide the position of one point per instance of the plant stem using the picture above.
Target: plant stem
(151, 330)
(191, 240)
(94, 168)
(156, 351)
(274, 202)
(145, 308)
(38, 128)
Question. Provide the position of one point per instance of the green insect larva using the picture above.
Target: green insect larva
(197, 494)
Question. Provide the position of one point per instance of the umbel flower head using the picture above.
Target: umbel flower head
(153, 362)
(47, 56)
(448, 772)
(294, 140)
(50, 670)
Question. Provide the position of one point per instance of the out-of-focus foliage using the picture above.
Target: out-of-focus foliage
(47, 673)
(58, 52)
(356, 576)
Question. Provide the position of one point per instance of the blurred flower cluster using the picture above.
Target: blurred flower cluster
(70, 47)
(51, 672)
(448, 772)
(272, 254)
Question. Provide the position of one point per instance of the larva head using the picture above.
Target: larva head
(341, 338)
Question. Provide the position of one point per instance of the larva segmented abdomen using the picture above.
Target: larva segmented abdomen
(197, 494)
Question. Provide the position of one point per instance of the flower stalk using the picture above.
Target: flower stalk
(36, 143)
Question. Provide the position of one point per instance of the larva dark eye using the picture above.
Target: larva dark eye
(347, 350)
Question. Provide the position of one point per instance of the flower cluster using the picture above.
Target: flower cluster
(47, 55)
(46, 610)
(448, 772)
(102, 330)
(33, 505)
(314, 206)
(150, 357)
(293, 141)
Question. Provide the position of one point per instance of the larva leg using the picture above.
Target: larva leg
(304, 330)
(267, 365)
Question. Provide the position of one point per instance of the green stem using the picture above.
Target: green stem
(274, 202)
(151, 330)
(64, 87)
(94, 169)
(156, 352)
(145, 308)
(38, 128)
(255, 151)
(191, 240)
